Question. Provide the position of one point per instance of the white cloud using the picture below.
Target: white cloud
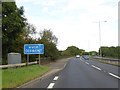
(76, 4)
(24, 1)
(45, 9)
(50, 2)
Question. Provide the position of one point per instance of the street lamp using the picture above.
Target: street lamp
(100, 36)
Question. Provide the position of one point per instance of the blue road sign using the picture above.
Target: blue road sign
(34, 49)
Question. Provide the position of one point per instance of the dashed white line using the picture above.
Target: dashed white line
(87, 63)
(96, 67)
(103, 70)
(114, 75)
(50, 85)
(56, 77)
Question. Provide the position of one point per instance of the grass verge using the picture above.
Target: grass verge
(0, 79)
(14, 77)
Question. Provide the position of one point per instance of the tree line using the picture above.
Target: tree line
(112, 52)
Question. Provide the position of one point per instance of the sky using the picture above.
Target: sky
(75, 22)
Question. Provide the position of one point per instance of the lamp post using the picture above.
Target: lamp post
(100, 36)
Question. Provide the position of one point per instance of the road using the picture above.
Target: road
(80, 73)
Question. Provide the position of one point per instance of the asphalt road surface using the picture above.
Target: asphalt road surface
(80, 73)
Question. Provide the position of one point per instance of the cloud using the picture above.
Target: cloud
(25, 1)
(72, 21)
(50, 2)
(76, 4)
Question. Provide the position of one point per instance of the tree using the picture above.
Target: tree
(48, 35)
(51, 51)
(93, 53)
(13, 22)
(29, 32)
(110, 51)
(72, 51)
(66, 53)
(50, 41)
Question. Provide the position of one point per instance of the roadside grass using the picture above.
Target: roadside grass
(0, 79)
(14, 77)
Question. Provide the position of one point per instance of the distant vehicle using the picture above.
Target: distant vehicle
(77, 56)
(86, 57)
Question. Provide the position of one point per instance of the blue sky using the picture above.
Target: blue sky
(73, 21)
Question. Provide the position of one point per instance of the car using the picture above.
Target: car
(77, 56)
(86, 57)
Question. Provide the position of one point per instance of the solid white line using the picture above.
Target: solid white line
(96, 67)
(55, 78)
(50, 85)
(114, 75)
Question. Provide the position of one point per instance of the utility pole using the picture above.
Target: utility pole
(100, 36)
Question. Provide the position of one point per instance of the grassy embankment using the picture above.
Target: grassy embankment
(14, 77)
(0, 79)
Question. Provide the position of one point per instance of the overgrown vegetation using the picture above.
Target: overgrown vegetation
(72, 51)
(13, 22)
(16, 32)
(112, 52)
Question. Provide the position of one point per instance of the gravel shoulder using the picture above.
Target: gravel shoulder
(54, 68)
(58, 64)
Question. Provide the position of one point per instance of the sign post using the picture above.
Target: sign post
(33, 49)
(39, 59)
(27, 58)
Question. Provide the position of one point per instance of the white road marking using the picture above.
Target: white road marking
(50, 85)
(87, 63)
(96, 67)
(64, 65)
(103, 71)
(114, 75)
(56, 77)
